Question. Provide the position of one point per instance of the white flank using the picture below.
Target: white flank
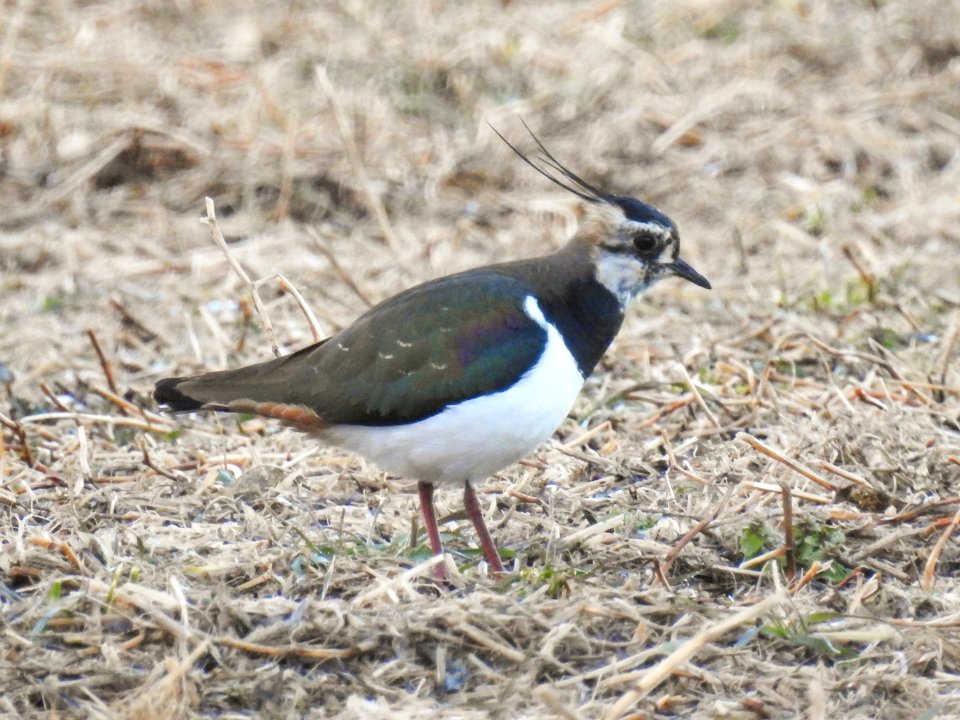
(476, 438)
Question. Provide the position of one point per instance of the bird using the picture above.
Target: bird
(455, 379)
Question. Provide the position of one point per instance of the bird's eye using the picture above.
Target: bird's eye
(644, 243)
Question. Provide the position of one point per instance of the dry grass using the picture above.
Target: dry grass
(187, 567)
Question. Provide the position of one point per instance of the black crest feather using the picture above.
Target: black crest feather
(548, 166)
(576, 185)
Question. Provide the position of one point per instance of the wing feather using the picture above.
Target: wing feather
(408, 358)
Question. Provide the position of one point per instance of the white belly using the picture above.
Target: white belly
(476, 438)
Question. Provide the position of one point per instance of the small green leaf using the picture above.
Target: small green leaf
(725, 32)
(52, 304)
(645, 522)
(821, 617)
(776, 631)
(837, 573)
(822, 300)
(819, 645)
(887, 337)
(173, 434)
(753, 539)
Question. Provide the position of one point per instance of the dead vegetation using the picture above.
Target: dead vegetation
(751, 512)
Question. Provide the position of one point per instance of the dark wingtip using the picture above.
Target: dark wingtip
(166, 393)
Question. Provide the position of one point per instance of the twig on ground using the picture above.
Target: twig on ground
(780, 457)
(587, 436)
(390, 585)
(310, 652)
(487, 641)
(104, 363)
(315, 328)
(925, 509)
(686, 652)
(763, 558)
(582, 534)
(142, 330)
(94, 418)
(816, 567)
(54, 400)
(696, 530)
(930, 566)
(21, 434)
(551, 701)
(846, 474)
(61, 547)
(220, 242)
(949, 343)
(153, 466)
(675, 465)
(788, 541)
(663, 412)
(126, 406)
(865, 276)
(698, 396)
(771, 488)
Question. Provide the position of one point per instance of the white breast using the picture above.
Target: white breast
(475, 438)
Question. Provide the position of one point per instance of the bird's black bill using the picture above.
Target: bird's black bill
(682, 269)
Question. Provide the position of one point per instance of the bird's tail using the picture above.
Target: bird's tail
(167, 393)
(263, 389)
(221, 390)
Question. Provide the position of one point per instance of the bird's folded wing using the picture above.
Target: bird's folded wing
(406, 359)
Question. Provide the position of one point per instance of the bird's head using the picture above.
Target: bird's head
(634, 243)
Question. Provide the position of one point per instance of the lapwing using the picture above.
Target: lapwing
(453, 380)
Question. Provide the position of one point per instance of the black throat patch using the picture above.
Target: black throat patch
(588, 316)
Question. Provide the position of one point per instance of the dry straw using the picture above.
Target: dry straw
(753, 509)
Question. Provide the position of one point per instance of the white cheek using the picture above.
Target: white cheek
(623, 275)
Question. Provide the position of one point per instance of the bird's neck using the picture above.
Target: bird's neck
(585, 312)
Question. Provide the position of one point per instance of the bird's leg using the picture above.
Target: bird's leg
(430, 521)
(472, 504)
